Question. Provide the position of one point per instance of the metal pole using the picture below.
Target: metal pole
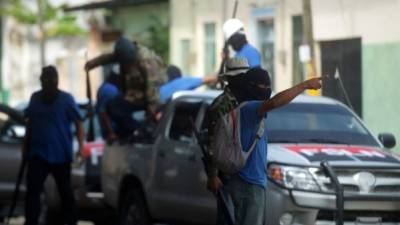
(338, 190)
(15, 196)
(235, 8)
(90, 111)
(341, 86)
(42, 35)
(307, 25)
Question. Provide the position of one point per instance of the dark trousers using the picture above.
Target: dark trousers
(38, 169)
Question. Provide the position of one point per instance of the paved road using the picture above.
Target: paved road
(20, 221)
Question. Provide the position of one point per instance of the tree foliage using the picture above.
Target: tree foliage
(159, 38)
(56, 22)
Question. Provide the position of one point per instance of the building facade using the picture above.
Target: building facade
(356, 38)
(369, 25)
(21, 67)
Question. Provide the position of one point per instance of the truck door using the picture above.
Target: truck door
(180, 170)
(11, 135)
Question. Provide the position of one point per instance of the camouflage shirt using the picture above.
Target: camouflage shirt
(223, 104)
(144, 80)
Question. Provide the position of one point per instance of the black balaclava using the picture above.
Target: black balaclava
(237, 41)
(254, 77)
(49, 82)
(125, 53)
(235, 85)
(173, 73)
(245, 87)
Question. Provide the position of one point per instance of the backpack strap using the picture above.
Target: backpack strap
(233, 117)
(259, 134)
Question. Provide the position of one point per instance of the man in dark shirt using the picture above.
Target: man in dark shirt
(48, 145)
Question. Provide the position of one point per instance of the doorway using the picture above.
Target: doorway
(344, 56)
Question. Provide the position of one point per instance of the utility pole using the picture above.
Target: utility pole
(308, 26)
(42, 35)
(308, 38)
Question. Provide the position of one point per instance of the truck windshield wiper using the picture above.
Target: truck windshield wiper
(322, 140)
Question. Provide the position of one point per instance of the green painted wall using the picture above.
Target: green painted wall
(381, 88)
(1, 52)
(147, 24)
(134, 21)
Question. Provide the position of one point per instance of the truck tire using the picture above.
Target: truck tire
(133, 210)
(107, 220)
(53, 218)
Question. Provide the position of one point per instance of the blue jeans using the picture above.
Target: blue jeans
(248, 202)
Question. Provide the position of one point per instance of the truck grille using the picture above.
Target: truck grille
(346, 188)
(361, 181)
(387, 189)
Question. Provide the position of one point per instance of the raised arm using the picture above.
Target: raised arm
(284, 97)
(100, 60)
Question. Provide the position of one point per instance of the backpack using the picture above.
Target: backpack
(229, 155)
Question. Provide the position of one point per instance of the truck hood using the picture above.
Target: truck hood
(340, 155)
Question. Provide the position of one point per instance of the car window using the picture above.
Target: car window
(316, 123)
(10, 130)
(181, 126)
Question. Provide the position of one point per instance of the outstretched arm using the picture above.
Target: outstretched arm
(284, 97)
(100, 60)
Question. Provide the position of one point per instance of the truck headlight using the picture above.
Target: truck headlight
(293, 177)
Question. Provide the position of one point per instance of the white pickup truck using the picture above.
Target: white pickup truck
(314, 143)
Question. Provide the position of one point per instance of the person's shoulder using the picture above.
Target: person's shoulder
(218, 100)
(223, 103)
(35, 94)
(67, 96)
(253, 103)
(145, 53)
(251, 106)
(106, 87)
(250, 46)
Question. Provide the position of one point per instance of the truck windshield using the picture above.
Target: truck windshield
(316, 123)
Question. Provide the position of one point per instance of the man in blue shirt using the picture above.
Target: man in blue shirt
(178, 83)
(247, 188)
(106, 92)
(48, 145)
(234, 35)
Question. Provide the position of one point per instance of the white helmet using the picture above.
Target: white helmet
(231, 27)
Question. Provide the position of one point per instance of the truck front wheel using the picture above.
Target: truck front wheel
(133, 209)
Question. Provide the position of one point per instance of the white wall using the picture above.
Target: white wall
(374, 21)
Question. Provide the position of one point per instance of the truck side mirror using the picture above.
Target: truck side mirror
(387, 139)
